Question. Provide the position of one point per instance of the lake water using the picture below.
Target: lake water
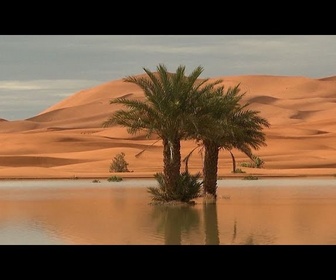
(264, 211)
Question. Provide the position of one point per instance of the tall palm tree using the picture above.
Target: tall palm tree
(227, 124)
(209, 130)
(243, 129)
(169, 107)
(239, 128)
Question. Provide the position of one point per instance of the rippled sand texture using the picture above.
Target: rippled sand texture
(68, 140)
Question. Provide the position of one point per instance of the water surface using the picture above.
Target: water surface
(265, 211)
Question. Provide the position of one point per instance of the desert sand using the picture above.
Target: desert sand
(67, 140)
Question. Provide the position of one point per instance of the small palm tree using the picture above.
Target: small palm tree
(246, 127)
(169, 108)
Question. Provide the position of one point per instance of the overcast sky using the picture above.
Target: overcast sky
(37, 71)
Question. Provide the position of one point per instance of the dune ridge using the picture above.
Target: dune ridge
(67, 139)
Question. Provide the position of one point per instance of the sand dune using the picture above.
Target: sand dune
(67, 139)
(332, 79)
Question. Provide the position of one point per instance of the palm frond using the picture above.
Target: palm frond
(142, 151)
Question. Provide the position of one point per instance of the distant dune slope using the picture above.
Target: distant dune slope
(68, 138)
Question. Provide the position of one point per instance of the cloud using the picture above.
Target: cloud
(109, 57)
(38, 71)
(23, 99)
(47, 85)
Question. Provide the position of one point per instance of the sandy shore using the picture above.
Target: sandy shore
(67, 140)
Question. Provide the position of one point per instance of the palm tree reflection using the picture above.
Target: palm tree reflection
(234, 231)
(173, 220)
(178, 219)
(211, 224)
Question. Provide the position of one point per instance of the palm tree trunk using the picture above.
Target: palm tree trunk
(210, 166)
(171, 161)
(233, 162)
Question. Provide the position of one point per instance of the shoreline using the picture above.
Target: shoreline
(33, 173)
(144, 177)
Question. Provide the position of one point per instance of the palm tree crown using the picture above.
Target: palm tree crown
(170, 107)
(227, 124)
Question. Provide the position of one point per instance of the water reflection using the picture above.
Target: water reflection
(249, 240)
(234, 231)
(28, 233)
(211, 224)
(174, 220)
(120, 214)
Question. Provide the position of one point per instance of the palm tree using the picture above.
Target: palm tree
(227, 125)
(246, 133)
(243, 130)
(239, 128)
(169, 107)
(209, 131)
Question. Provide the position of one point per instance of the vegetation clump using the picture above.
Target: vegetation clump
(188, 187)
(257, 162)
(114, 179)
(119, 164)
(247, 164)
(238, 170)
(250, 177)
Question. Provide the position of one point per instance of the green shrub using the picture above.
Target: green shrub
(258, 162)
(188, 187)
(247, 164)
(119, 164)
(250, 177)
(238, 170)
(114, 179)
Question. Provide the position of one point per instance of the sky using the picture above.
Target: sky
(38, 71)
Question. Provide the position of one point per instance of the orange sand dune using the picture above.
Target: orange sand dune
(68, 140)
